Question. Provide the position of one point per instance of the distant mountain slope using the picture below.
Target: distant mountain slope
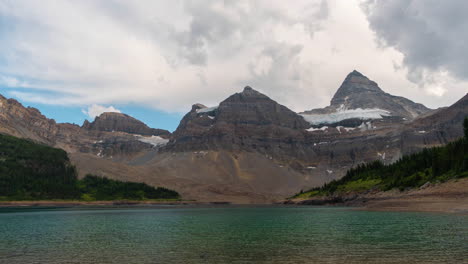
(26, 122)
(111, 121)
(438, 127)
(429, 166)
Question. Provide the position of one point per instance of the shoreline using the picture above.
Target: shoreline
(447, 197)
(71, 203)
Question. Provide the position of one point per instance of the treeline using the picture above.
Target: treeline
(100, 188)
(437, 164)
(31, 171)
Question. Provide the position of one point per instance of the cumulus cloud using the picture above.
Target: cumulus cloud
(96, 110)
(170, 54)
(431, 35)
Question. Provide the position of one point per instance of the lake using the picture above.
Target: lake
(230, 234)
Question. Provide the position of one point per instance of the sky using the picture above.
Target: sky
(153, 59)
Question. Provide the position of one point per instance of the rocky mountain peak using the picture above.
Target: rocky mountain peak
(236, 123)
(355, 83)
(249, 91)
(248, 88)
(253, 107)
(359, 92)
(111, 121)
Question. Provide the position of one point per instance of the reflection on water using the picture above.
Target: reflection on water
(230, 235)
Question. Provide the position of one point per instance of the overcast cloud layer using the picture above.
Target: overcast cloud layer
(170, 54)
(431, 34)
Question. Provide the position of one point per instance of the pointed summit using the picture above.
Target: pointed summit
(355, 73)
(249, 91)
(242, 112)
(355, 82)
(247, 88)
(253, 107)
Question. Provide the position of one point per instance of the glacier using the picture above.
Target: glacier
(340, 115)
(153, 140)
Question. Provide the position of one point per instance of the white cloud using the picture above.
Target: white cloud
(171, 54)
(11, 82)
(96, 110)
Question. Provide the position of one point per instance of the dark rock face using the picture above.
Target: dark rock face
(357, 91)
(438, 127)
(25, 122)
(245, 121)
(110, 122)
(253, 108)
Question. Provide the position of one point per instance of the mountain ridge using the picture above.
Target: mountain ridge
(112, 121)
(247, 149)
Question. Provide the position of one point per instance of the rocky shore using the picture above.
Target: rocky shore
(448, 197)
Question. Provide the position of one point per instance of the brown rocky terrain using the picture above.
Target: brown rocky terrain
(249, 149)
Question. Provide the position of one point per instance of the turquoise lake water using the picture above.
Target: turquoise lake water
(230, 235)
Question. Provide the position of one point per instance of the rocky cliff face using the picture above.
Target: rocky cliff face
(94, 139)
(247, 120)
(435, 128)
(111, 121)
(19, 121)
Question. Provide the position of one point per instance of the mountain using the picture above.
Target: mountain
(111, 121)
(435, 128)
(362, 99)
(247, 120)
(418, 176)
(17, 120)
(248, 148)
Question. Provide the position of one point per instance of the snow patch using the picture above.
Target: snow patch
(200, 153)
(342, 114)
(153, 140)
(207, 109)
(381, 155)
(311, 167)
(329, 171)
(324, 128)
(366, 126)
(349, 128)
(422, 132)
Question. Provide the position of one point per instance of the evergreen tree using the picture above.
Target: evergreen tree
(32, 171)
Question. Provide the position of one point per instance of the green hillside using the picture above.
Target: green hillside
(32, 171)
(432, 165)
